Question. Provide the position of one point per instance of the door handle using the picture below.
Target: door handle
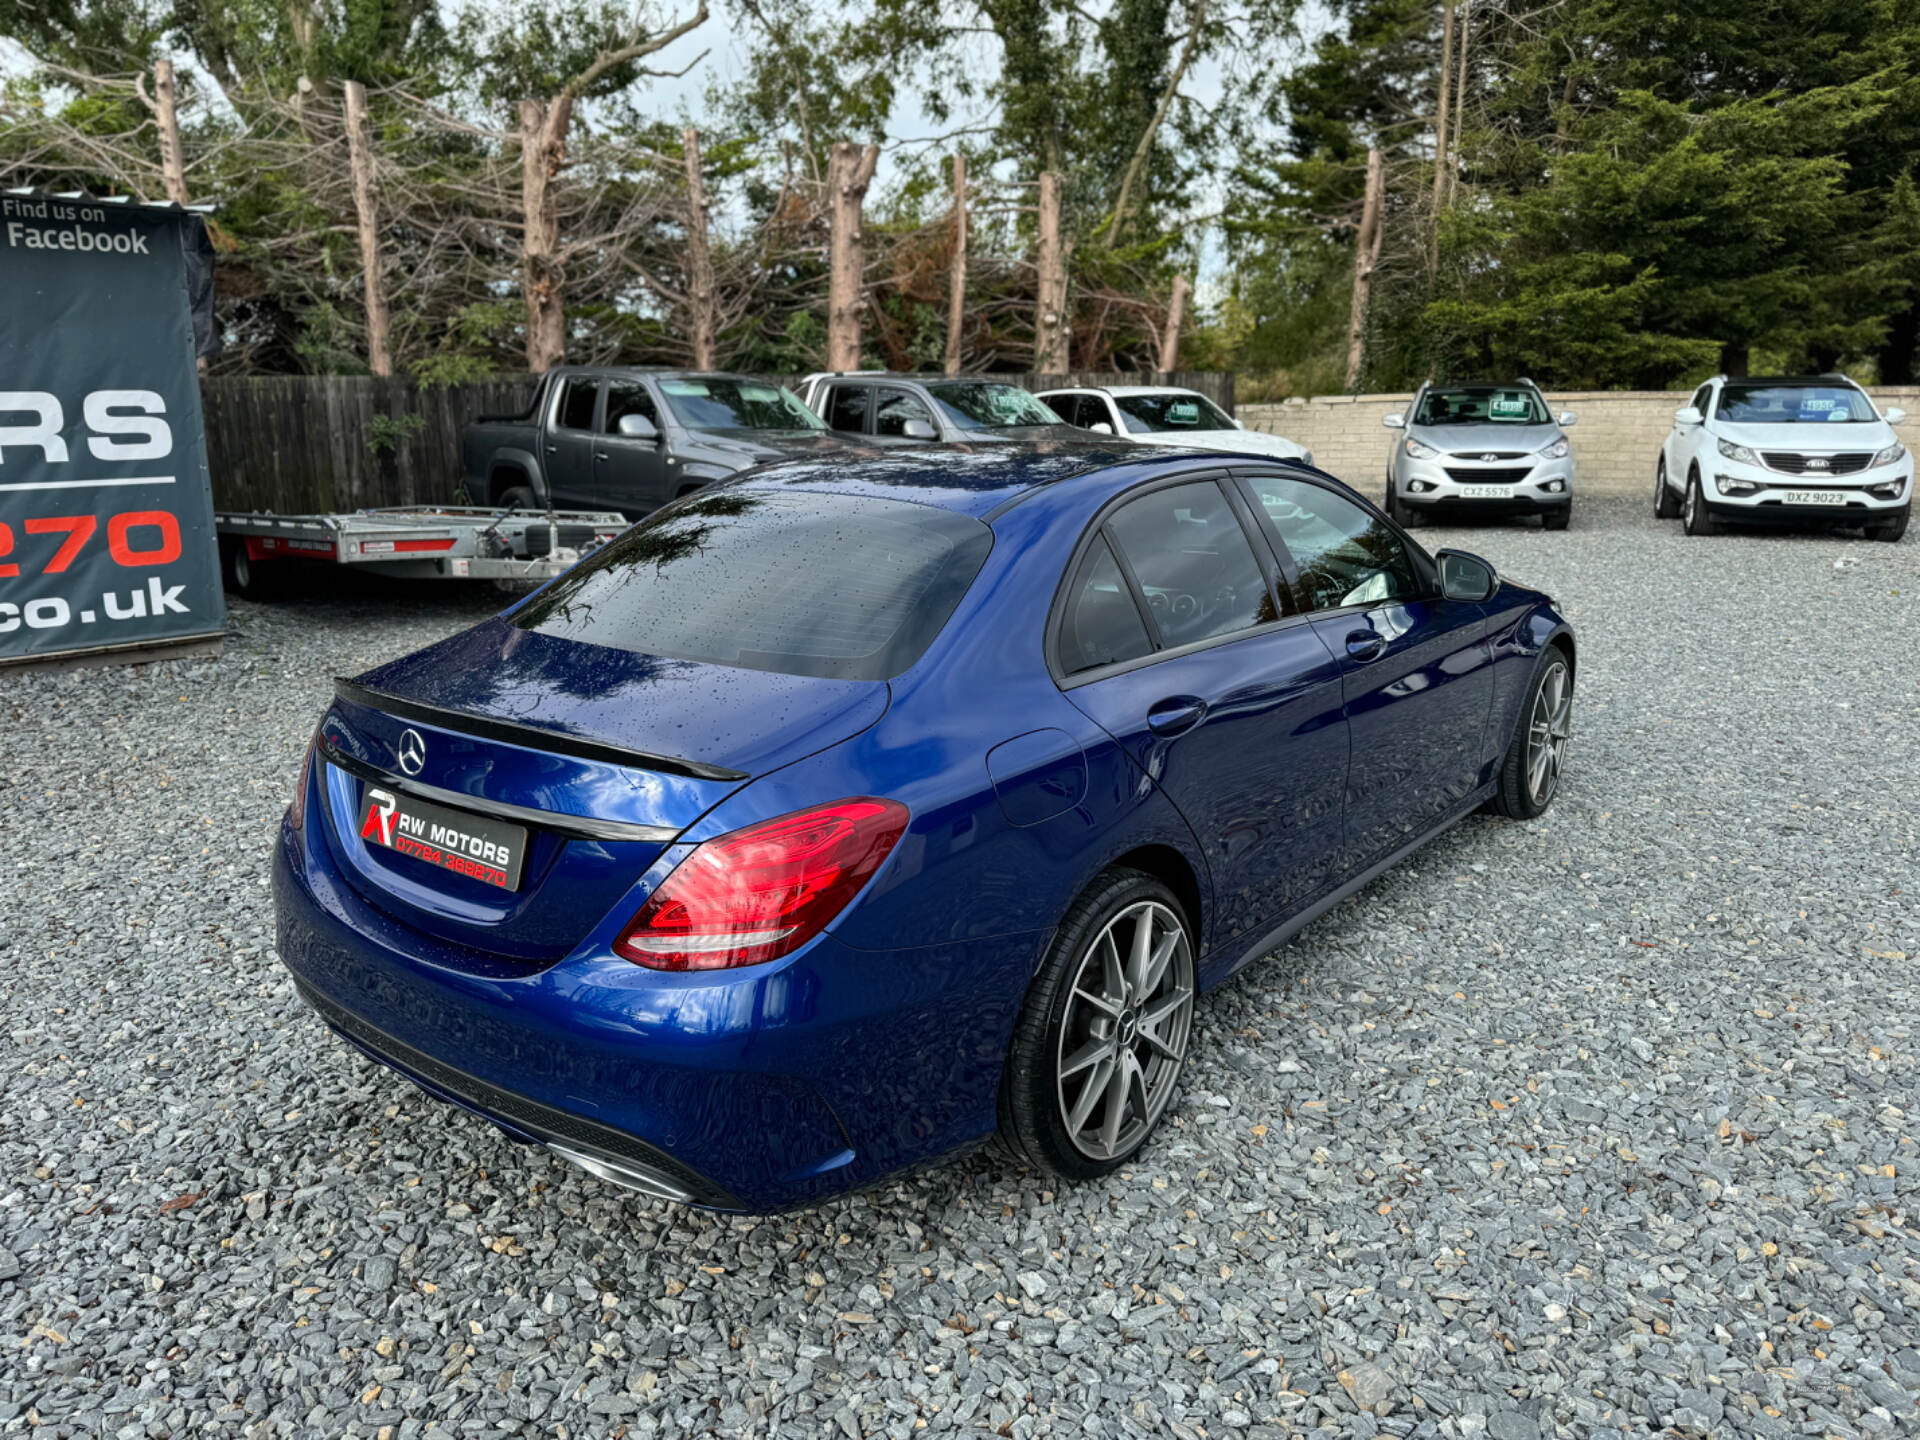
(1365, 645)
(601, 455)
(1176, 714)
(553, 449)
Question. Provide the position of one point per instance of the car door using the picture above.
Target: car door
(630, 474)
(570, 438)
(893, 409)
(848, 408)
(1177, 635)
(1416, 668)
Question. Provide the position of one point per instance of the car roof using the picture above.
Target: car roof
(973, 481)
(1122, 390)
(1786, 380)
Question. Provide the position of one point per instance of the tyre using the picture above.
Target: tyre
(1398, 511)
(1665, 507)
(1530, 775)
(1891, 530)
(1694, 518)
(1557, 519)
(1098, 1050)
(241, 575)
(520, 497)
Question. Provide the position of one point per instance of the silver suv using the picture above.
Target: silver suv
(1480, 451)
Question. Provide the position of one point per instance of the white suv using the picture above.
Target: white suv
(1791, 451)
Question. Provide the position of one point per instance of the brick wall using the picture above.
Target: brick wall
(1614, 445)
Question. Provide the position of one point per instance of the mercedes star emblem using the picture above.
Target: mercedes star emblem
(411, 751)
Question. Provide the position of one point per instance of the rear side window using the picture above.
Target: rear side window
(576, 406)
(848, 587)
(1194, 564)
(847, 407)
(1101, 624)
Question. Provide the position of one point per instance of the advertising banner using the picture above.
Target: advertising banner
(106, 514)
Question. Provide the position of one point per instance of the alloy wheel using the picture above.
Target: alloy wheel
(1548, 730)
(1129, 1014)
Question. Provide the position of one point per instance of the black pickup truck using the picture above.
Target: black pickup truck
(612, 438)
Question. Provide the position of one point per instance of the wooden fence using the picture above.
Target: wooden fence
(301, 444)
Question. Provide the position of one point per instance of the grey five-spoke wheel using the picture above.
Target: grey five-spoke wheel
(1548, 729)
(1098, 1050)
(1530, 774)
(1128, 1015)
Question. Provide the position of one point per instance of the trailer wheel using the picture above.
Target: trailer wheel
(243, 576)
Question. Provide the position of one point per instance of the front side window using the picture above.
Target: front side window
(1101, 624)
(1193, 562)
(895, 409)
(576, 404)
(719, 403)
(1482, 405)
(847, 408)
(1792, 405)
(1346, 555)
(986, 405)
(1146, 414)
(848, 587)
(628, 397)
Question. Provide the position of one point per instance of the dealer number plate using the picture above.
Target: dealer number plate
(1487, 492)
(1814, 497)
(486, 850)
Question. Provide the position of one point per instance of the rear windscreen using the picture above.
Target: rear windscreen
(847, 587)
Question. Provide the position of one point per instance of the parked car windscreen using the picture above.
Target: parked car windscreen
(982, 405)
(1792, 405)
(714, 404)
(849, 587)
(1147, 414)
(1482, 405)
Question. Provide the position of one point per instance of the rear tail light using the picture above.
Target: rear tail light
(297, 811)
(763, 892)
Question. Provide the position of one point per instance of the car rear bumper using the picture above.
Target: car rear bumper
(725, 1090)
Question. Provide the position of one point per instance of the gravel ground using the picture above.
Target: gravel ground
(1600, 1123)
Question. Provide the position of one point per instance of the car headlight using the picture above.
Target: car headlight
(1556, 451)
(1887, 456)
(1419, 451)
(1738, 452)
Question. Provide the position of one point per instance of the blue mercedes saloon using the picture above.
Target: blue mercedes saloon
(840, 815)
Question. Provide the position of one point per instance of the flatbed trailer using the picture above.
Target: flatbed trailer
(412, 542)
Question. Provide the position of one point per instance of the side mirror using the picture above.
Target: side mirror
(1568, 419)
(919, 430)
(1394, 422)
(1895, 415)
(1101, 427)
(637, 427)
(1687, 415)
(1237, 424)
(1465, 577)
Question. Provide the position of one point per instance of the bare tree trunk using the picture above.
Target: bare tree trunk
(1440, 130)
(166, 118)
(360, 161)
(957, 270)
(1176, 316)
(542, 274)
(699, 258)
(1459, 119)
(1143, 148)
(1366, 255)
(849, 172)
(1051, 339)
